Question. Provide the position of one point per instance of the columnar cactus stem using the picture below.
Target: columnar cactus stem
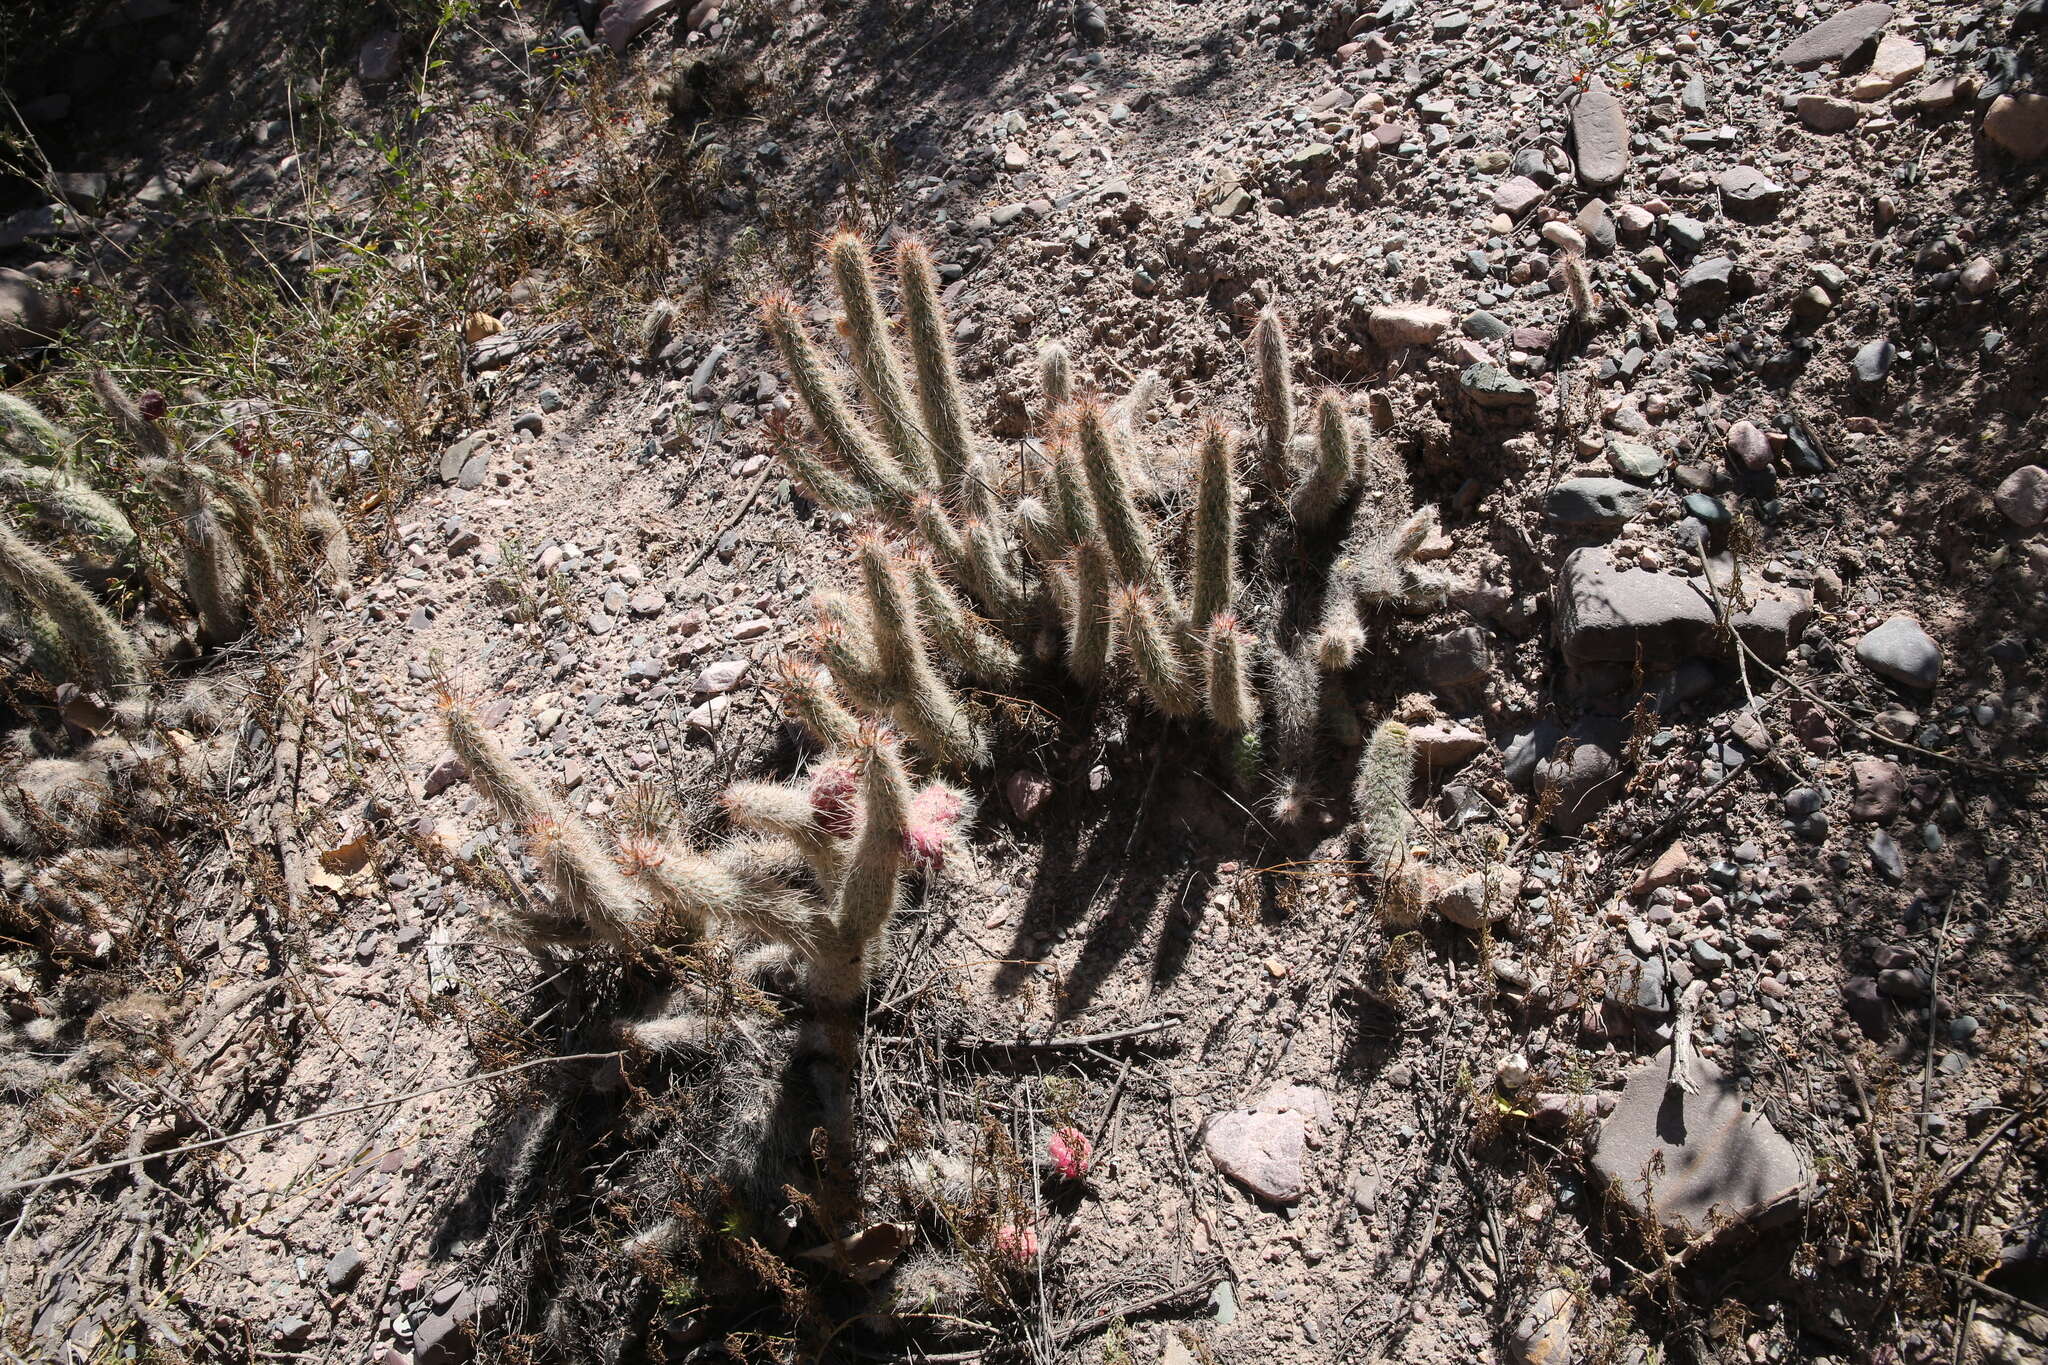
(955, 632)
(63, 503)
(991, 570)
(1335, 470)
(1578, 288)
(214, 579)
(518, 800)
(1123, 528)
(975, 492)
(29, 434)
(810, 702)
(789, 811)
(586, 882)
(1213, 569)
(928, 517)
(918, 699)
(1089, 637)
(99, 651)
(1341, 635)
(844, 642)
(1380, 799)
(872, 466)
(1273, 385)
(1155, 656)
(1071, 505)
(1055, 377)
(243, 515)
(863, 904)
(827, 486)
(1293, 694)
(334, 564)
(1035, 527)
(931, 352)
(872, 887)
(1232, 703)
(875, 362)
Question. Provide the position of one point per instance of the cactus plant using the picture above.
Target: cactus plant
(98, 651)
(62, 503)
(1382, 820)
(1086, 553)
(1273, 383)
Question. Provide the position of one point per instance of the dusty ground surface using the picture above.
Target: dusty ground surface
(1853, 865)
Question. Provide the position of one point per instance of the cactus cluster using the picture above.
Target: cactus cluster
(809, 883)
(224, 528)
(150, 748)
(1239, 602)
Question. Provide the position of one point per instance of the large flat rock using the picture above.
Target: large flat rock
(1838, 38)
(1698, 1161)
(1609, 614)
(1599, 136)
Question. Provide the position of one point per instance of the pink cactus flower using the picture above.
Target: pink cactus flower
(1071, 1151)
(832, 797)
(925, 846)
(1017, 1243)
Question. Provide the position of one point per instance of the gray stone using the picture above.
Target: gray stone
(1261, 1151)
(1648, 988)
(1748, 195)
(30, 315)
(2023, 497)
(1599, 136)
(1529, 748)
(707, 369)
(1686, 233)
(1494, 388)
(1594, 503)
(445, 773)
(1633, 460)
(343, 1269)
(625, 20)
(456, 456)
(1886, 858)
(1517, 196)
(1707, 960)
(1873, 361)
(1456, 660)
(1837, 38)
(1697, 1162)
(449, 1336)
(1607, 614)
(1901, 651)
(1750, 447)
(85, 191)
(1773, 624)
(1596, 225)
(377, 62)
(1584, 771)
(1877, 789)
(720, 677)
(1484, 326)
(1706, 285)
(474, 469)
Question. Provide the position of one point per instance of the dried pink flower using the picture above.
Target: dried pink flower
(1071, 1151)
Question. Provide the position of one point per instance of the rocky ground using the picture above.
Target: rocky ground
(1737, 695)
